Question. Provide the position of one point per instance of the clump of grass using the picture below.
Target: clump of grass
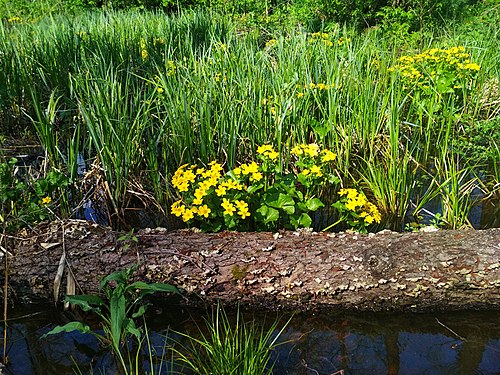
(242, 348)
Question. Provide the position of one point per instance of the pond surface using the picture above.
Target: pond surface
(315, 344)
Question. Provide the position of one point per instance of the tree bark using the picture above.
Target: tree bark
(442, 270)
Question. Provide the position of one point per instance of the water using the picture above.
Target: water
(320, 343)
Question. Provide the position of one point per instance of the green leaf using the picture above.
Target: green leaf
(314, 203)
(70, 327)
(120, 277)
(305, 221)
(140, 312)
(85, 302)
(253, 188)
(118, 314)
(130, 327)
(152, 288)
(268, 214)
(279, 200)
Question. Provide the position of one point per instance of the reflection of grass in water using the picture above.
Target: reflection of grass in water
(242, 348)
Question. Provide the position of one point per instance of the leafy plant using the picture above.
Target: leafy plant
(27, 200)
(261, 192)
(119, 310)
(355, 210)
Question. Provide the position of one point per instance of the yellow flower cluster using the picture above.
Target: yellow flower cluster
(198, 183)
(252, 169)
(313, 152)
(268, 152)
(426, 66)
(357, 203)
(270, 43)
(325, 38)
(318, 86)
(144, 51)
(171, 68)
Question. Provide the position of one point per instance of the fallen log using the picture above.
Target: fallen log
(442, 270)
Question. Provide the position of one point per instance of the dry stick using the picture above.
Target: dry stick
(5, 300)
(452, 331)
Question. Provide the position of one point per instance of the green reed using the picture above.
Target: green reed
(144, 93)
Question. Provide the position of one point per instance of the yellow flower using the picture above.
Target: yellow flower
(144, 54)
(197, 201)
(297, 150)
(328, 156)
(160, 90)
(316, 170)
(204, 211)
(46, 200)
(264, 149)
(250, 168)
(237, 171)
(273, 155)
(177, 208)
(220, 191)
(311, 150)
(184, 187)
(300, 94)
(187, 215)
(256, 176)
(228, 207)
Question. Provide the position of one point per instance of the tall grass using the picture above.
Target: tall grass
(144, 93)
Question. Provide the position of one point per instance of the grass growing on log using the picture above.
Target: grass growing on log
(140, 93)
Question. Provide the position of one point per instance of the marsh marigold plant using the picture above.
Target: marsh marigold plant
(254, 195)
(355, 210)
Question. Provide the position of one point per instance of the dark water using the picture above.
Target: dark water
(315, 344)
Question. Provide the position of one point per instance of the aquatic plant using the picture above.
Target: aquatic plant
(242, 348)
(119, 311)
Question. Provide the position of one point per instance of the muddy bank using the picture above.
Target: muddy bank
(443, 270)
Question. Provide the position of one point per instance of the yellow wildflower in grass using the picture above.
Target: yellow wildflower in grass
(311, 149)
(256, 176)
(316, 171)
(251, 168)
(144, 54)
(263, 149)
(328, 156)
(221, 191)
(237, 171)
(270, 43)
(184, 187)
(297, 150)
(204, 211)
(300, 94)
(267, 151)
(177, 208)
(242, 207)
(472, 66)
(200, 192)
(187, 215)
(228, 207)
(46, 200)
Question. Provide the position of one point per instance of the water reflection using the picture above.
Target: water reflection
(322, 344)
